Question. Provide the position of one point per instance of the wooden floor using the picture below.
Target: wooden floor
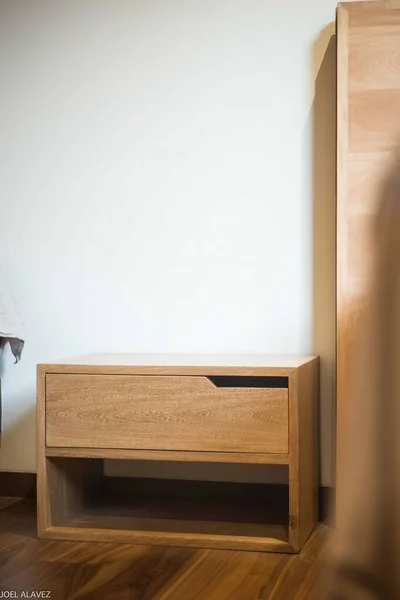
(97, 571)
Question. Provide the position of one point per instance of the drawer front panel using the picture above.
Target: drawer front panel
(164, 413)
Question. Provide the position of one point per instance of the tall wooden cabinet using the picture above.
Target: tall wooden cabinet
(368, 127)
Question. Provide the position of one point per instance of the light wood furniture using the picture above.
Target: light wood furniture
(368, 128)
(214, 409)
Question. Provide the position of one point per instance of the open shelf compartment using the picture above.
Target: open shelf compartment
(85, 504)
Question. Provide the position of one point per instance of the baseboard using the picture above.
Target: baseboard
(17, 485)
(23, 485)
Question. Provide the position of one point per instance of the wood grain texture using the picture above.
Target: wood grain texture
(170, 455)
(72, 570)
(303, 462)
(368, 131)
(93, 415)
(165, 538)
(163, 413)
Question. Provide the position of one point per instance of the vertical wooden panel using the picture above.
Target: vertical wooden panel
(341, 225)
(43, 498)
(303, 452)
(368, 129)
(71, 483)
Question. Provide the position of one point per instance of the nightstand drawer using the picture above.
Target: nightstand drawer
(193, 413)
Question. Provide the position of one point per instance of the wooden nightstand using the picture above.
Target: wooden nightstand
(248, 410)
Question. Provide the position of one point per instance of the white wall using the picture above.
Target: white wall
(157, 184)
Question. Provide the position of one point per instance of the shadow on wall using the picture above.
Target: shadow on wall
(324, 237)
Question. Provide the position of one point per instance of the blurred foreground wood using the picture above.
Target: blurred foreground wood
(363, 563)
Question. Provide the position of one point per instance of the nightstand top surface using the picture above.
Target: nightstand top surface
(188, 360)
